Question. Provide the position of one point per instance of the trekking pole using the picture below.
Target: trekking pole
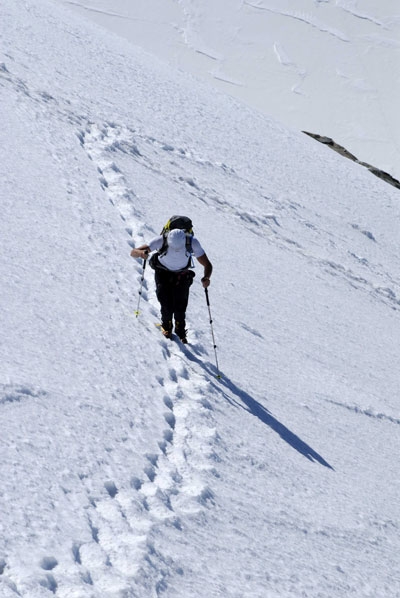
(137, 312)
(212, 332)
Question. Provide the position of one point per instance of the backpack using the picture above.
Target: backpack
(185, 224)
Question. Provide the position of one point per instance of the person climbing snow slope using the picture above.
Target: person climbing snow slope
(172, 263)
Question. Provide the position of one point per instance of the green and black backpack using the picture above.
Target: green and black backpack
(185, 224)
(182, 222)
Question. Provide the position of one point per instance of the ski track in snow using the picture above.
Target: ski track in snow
(351, 8)
(309, 19)
(369, 412)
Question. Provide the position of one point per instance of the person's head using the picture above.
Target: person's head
(176, 239)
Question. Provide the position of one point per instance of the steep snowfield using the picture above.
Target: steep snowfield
(128, 469)
(331, 67)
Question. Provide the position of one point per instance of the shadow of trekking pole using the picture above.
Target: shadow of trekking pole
(239, 398)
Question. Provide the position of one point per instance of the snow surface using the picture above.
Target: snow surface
(331, 67)
(128, 468)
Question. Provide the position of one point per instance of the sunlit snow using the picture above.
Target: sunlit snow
(128, 468)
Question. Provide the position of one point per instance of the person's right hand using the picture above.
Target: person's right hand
(143, 253)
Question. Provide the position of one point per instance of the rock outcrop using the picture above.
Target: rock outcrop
(343, 151)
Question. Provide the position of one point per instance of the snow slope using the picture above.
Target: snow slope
(331, 67)
(128, 468)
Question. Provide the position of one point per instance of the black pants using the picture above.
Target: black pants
(172, 290)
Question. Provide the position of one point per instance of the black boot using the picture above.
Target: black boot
(166, 329)
(181, 331)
